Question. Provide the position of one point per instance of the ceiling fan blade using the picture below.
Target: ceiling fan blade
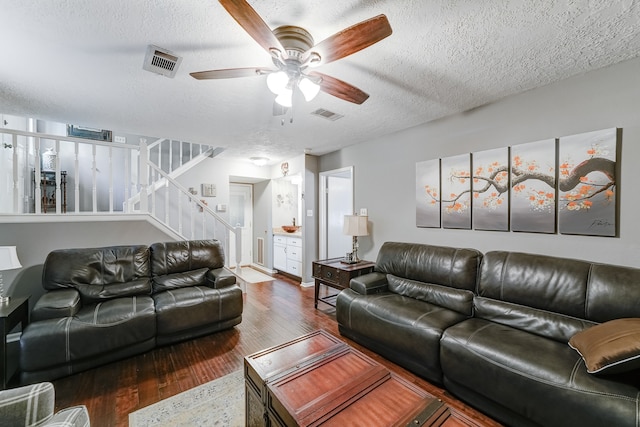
(230, 73)
(352, 39)
(340, 89)
(253, 24)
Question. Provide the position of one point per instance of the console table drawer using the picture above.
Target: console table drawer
(336, 274)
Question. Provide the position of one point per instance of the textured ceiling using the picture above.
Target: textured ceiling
(80, 62)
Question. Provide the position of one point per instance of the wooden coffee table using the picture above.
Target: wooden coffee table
(318, 380)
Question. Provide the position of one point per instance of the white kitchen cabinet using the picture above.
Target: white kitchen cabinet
(280, 253)
(287, 254)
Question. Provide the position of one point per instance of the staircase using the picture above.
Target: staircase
(90, 177)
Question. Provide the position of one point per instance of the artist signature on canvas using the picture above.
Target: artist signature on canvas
(600, 223)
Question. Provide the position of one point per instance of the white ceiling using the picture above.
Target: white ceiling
(80, 62)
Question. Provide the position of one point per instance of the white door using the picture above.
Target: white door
(241, 215)
(336, 202)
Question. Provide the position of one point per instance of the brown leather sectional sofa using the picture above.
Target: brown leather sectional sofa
(109, 303)
(494, 329)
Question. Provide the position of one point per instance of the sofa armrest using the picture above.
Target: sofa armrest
(56, 304)
(220, 278)
(33, 402)
(371, 283)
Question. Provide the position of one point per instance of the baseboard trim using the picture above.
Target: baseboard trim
(263, 269)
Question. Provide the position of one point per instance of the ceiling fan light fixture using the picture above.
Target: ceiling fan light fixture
(308, 88)
(277, 82)
(285, 98)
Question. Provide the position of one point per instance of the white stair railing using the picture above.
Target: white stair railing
(91, 177)
(177, 209)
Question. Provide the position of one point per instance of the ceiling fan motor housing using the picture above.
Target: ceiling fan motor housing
(295, 40)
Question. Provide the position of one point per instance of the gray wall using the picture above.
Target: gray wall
(385, 167)
(35, 240)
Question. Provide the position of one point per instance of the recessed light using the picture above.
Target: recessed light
(259, 161)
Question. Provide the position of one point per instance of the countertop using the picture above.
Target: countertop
(281, 232)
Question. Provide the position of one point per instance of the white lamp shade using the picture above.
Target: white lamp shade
(277, 82)
(355, 225)
(9, 258)
(285, 98)
(308, 88)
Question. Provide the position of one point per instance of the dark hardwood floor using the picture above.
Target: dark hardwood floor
(274, 312)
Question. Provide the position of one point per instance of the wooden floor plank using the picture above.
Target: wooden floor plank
(274, 312)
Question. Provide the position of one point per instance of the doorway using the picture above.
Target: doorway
(336, 201)
(241, 215)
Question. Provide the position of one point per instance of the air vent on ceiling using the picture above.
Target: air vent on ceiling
(161, 61)
(329, 115)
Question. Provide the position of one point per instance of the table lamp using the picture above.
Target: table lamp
(355, 226)
(8, 261)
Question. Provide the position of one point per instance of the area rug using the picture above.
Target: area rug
(216, 403)
(249, 275)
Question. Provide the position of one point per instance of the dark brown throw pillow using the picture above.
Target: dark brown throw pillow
(611, 347)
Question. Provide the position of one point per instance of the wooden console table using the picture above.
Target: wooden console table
(336, 274)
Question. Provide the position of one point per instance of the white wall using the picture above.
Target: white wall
(385, 167)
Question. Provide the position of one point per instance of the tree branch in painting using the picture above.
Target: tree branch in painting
(574, 181)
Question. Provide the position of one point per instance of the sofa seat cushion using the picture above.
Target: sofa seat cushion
(538, 378)
(94, 330)
(406, 327)
(183, 309)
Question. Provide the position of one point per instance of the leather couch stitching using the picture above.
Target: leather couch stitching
(588, 288)
(67, 339)
(502, 274)
(453, 263)
(574, 371)
(541, 380)
(95, 313)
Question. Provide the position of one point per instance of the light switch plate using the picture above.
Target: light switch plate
(309, 212)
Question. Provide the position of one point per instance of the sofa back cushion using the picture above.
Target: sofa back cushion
(548, 283)
(459, 300)
(613, 292)
(99, 274)
(552, 296)
(184, 263)
(438, 265)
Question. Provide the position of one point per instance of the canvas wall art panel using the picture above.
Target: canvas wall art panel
(533, 187)
(428, 193)
(490, 190)
(455, 203)
(587, 197)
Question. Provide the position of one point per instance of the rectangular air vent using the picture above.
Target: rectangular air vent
(329, 115)
(161, 61)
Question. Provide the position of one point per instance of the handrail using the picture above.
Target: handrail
(97, 184)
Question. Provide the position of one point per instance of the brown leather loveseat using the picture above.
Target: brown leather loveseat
(109, 303)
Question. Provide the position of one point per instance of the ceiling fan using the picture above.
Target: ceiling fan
(293, 52)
